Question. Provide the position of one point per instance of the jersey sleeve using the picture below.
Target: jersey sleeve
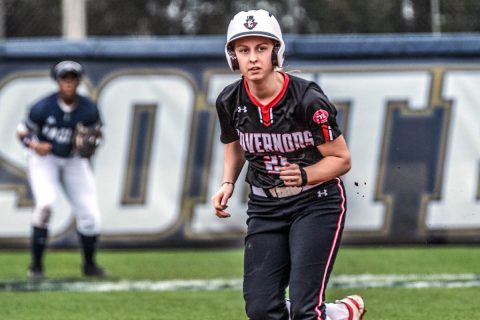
(34, 119)
(93, 118)
(321, 116)
(228, 132)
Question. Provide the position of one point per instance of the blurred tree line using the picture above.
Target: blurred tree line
(26, 18)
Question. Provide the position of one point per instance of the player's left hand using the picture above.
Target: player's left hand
(41, 148)
(85, 140)
(291, 175)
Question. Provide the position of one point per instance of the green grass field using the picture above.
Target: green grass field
(445, 299)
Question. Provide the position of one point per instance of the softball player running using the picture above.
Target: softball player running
(285, 127)
(47, 132)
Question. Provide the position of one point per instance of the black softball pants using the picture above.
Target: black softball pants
(292, 242)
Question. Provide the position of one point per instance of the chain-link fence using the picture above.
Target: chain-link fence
(25, 18)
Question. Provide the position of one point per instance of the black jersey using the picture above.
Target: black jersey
(50, 123)
(288, 129)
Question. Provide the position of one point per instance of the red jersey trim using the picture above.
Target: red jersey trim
(265, 110)
(327, 132)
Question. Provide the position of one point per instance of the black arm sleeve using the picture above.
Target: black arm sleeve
(321, 116)
(228, 131)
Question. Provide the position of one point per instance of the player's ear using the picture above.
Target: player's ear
(233, 56)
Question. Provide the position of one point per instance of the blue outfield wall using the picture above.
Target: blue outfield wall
(409, 107)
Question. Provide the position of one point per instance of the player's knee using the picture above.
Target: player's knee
(42, 215)
(89, 224)
(256, 311)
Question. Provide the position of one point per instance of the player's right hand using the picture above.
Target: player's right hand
(41, 148)
(220, 200)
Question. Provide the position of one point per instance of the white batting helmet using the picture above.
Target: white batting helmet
(254, 23)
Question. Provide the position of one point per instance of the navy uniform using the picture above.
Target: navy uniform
(47, 121)
(51, 122)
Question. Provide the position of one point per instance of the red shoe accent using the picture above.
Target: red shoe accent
(350, 311)
(355, 303)
(355, 306)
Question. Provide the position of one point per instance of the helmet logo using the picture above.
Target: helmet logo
(250, 23)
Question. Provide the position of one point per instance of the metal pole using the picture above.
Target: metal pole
(74, 19)
(2, 19)
(435, 17)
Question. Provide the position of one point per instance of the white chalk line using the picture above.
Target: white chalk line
(418, 281)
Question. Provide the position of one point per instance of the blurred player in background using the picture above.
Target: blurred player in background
(286, 128)
(53, 163)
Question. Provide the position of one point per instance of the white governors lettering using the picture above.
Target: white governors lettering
(275, 142)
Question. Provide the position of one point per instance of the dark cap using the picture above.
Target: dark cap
(63, 68)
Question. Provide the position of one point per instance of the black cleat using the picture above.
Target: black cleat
(35, 273)
(94, 271)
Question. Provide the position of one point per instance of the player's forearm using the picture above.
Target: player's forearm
(328, 168)
(24, 135)
(26, 139)
(336, 161)
(30, 141)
